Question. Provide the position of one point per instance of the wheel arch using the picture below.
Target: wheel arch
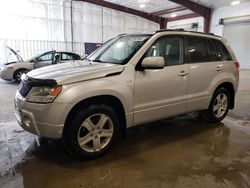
(110, 100)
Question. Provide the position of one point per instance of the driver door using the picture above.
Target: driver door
(44, 59)
(162, 93)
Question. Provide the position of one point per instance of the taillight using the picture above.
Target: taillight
(237, 65)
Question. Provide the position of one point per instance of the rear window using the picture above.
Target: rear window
(221, 51)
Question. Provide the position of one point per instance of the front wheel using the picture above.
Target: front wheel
(219, 106)
(92, 133)
(18, 74)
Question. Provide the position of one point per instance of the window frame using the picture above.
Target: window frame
(163, 37)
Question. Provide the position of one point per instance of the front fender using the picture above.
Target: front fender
(77, 92)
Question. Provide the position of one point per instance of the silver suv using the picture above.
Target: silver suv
(130, 80)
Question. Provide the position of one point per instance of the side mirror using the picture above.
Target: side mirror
(153, 63)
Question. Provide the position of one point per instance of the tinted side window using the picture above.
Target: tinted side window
(170, 48)
(198, 50)
(212, 53)
(221, 51)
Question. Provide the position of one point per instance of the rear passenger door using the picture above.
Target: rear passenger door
(204, 65)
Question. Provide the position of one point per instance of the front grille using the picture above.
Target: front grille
(24, 89)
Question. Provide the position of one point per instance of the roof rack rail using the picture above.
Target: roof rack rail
(122, 34)
(183, 30)
(163, 30)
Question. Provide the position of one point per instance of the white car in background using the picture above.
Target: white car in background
(15, 69)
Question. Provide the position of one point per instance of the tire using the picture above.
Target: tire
(86, 137)
(18, 74)
(219, 106)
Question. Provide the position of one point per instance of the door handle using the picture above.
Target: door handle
(219, 68)
(183, 73)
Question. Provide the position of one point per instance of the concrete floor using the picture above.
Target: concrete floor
(179, 152)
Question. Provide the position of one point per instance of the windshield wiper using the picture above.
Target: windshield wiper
(99, 61)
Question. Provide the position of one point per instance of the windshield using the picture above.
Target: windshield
(119, 50)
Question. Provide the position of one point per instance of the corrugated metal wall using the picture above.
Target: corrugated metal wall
(36, 25)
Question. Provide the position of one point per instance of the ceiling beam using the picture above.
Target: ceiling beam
(182, 17)
(198, 9)
(121, 8)
(195, 7)
(170, 10)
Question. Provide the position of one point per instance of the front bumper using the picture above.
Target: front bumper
(6, 74)
(46, 120)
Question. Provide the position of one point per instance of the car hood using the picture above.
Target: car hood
(19, 58)
(75, 71)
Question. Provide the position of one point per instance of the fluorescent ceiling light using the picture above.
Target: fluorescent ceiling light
(173, 15)
(235, 2)
(142, 6)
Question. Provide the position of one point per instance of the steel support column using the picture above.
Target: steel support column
(163, 23)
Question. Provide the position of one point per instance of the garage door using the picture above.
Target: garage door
(238, 35)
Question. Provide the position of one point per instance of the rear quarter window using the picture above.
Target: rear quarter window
(221, 51)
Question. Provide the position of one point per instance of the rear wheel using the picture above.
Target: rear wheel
(92, 133)
(219, 106)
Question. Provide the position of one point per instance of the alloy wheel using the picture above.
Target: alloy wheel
(95, 133)
(220, 105)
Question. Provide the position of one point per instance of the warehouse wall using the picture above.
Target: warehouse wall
(217, 14)
(186, 24)
(50, 20)
(236, 30)
(105, 23)
(227, 12)
(35, 21)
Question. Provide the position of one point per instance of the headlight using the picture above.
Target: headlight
(44, 94)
